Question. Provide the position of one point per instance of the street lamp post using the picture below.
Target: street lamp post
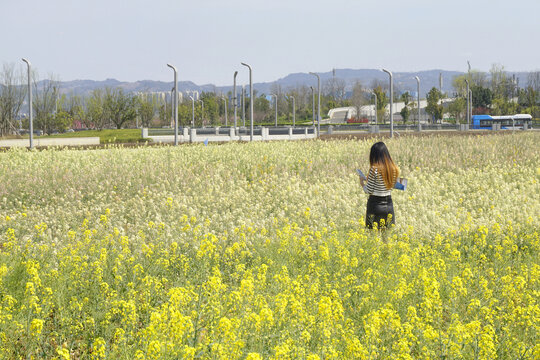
(418, 101)
(192, 111)
(318, 103)
(243, 106)
(175, 92)
(234, 98)
(391, 102)
(376, 101)
(467, 117)
(172, 106)
(30, 115)
(226, 110)
(293, 111)
(471, 102)
(275, 105)
(313, 104)
(250, 101)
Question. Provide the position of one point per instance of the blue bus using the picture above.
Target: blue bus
(486, 122)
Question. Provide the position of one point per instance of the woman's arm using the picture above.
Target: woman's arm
(369, 188)
(362, 181)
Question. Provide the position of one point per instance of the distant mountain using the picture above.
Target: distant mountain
(403, 81)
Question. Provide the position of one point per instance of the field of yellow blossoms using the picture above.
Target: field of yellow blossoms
(258, 251)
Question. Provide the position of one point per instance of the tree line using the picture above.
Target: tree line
(495, 93)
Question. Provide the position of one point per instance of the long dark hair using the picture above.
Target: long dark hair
(379, 158)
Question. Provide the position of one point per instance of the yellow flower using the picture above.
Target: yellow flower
(98, 349)
(63, 353)
(36, 326)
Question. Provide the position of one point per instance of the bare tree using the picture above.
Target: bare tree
(164, 111)
(533, 93)
(12, 94)
(74, 106)
(334, 88)
(45, 98)
(95, 110)
(359, 98)
(283, 106)
(499, 82)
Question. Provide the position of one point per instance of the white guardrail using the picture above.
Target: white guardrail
(38, 142)
(190, 135)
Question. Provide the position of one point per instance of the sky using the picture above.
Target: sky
(207, 39)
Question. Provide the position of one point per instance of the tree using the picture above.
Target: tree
(500, 83)
(185, 113)
(334, 88)
(481, 96)
(62, 120)
(164, 112)
(474, 77)
(12, 94)
(73, 105)
(532, 94)
(276, 89)
(146, 108)
(261, 109)
(95, 110)
(433, 107)
(119, 107)
(45, 103)
(406, 111)
(211, 108)
(502, 89)
(457, 109)
(359, 97)
(382, 101)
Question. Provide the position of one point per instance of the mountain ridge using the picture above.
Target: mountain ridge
(403, 81)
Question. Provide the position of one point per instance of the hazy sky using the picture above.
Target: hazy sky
(207, 39)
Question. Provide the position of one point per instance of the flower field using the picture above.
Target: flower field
(258, 251)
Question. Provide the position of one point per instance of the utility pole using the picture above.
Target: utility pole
(418, 101)
(293, 112)
(318, 103)
(226, 110)
(192, 111)
(243, 106)
(175, 92)
(313, 104)
(391, 102)
(468, 104)
(234, 98)
(375, 95)
(30, 110)
(250, 100)
(275, 104)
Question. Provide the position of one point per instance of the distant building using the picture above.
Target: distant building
(160, 96)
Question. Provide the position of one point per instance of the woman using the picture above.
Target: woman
(381, 179)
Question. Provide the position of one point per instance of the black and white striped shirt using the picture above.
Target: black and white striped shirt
(375, 184)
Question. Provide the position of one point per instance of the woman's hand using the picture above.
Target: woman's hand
(362, 181)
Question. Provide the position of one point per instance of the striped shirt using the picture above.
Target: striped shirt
(375, 184)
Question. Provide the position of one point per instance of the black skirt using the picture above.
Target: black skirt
(380, 212)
